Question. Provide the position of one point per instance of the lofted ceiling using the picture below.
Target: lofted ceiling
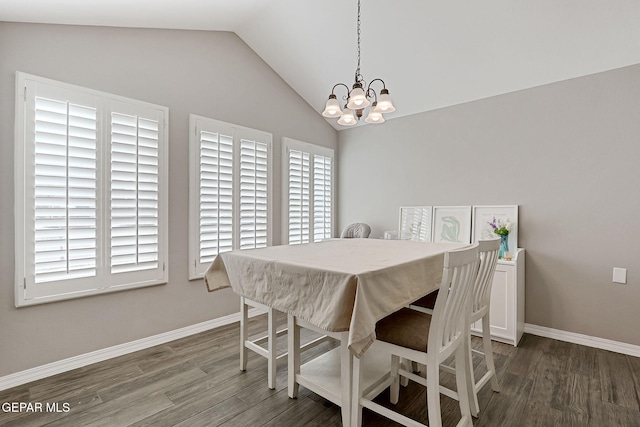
(430, 53)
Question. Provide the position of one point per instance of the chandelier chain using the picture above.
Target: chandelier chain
(358, 28)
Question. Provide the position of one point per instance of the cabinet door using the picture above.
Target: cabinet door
(502, 317)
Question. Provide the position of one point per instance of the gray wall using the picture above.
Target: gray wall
(567, 153)
(206, 73)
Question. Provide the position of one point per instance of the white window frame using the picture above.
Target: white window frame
(197, 124)
(27, 291)
(313, 149)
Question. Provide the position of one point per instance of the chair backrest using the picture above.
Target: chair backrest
(452, 309)
(488, 254)
(358, 230)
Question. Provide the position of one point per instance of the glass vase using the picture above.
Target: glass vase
(504, 245)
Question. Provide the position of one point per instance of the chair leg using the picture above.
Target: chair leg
(394, 391)
(244, 330)
(462, 384)
(271, 347)
(488, 353)
(433, 395)
(470, 379)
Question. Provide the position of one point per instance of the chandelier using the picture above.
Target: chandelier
(357, 99)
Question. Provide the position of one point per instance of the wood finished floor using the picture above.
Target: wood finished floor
(196, 381)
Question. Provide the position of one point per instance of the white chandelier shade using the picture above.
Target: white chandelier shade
(384, 102)
(332, 109)
(357, 98)
(347, 118)
(375, 116)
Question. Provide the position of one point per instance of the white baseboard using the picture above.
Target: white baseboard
(75, 362)
(586, 340)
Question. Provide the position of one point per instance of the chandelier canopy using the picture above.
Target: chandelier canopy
(358, 98)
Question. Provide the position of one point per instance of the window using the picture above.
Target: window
(308, 189)
(91, 192)
(229, 192)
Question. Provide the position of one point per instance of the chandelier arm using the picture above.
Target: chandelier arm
(380, 80)
(339, 84)
(371, 93)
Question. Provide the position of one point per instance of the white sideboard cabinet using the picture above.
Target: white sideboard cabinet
(507, 301)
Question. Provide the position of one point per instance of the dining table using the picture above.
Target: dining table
(341, 287)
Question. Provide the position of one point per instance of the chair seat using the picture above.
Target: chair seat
(406, 328)
(427, 301)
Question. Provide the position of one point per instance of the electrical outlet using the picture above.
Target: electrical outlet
(619, 275)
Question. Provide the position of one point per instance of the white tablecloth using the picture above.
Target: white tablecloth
(336, 285)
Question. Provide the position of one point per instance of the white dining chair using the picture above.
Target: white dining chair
(272, 334)
(358, 230)
(480, 310)
(428, 340)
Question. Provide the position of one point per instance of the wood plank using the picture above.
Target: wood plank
(614, 415)
(193, 398)
(505, 408)
(263, 411)
(212, 385)
(303, 413)
(82, 380)
(617, 381)
(634, 365)
(565, 356)
(538, 414)
(566, 393)
(77, 404)
(217, 414)
(16, 394)
(524, 361)
(127, 412)
(118, 412)
(151, 384)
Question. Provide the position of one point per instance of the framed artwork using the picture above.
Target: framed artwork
(484, 216)
(415, 223)
(452, 224)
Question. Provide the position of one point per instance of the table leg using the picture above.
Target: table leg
(346, 374)
(356, 390)
(271, 347)
(244, 329)
(293, 358)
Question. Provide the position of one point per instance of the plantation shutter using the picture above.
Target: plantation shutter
(299, 188)
(134, 193)
(253, 194)
(65, 190)
(322, 209)
(216, 195)
(90, 192)
(229, 191)
(309, 199)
